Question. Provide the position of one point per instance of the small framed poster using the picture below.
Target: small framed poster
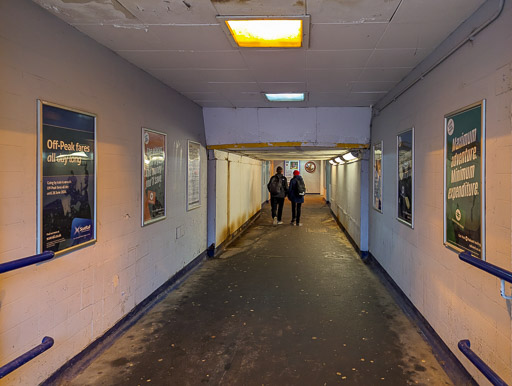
(290, 167)
(193, 175)
(405, 177)
(66, 215)
(377, 176)
(464, 179)
(154, 166)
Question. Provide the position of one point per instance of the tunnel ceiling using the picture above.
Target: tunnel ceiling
(357, 50)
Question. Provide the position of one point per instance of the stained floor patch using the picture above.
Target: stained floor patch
(284, 306)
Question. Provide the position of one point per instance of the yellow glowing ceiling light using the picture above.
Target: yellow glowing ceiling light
(266, 32)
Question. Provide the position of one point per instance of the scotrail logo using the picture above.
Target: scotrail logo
(79, 230)
(450, 126)
(82, 230)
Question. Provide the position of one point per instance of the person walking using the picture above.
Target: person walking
(296, 193)
(278, 188)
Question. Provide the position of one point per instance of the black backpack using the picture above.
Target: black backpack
(300, 187)
(276, 186)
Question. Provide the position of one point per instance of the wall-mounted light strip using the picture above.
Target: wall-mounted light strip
(349, 156)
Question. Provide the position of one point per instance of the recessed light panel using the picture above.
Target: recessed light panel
(266, 32)
(286, 97)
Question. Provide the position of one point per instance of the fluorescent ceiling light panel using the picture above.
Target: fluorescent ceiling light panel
(332, 162)
(266, 32)
(348, 157)
(273, 34)
(339, 160)
(286, 97)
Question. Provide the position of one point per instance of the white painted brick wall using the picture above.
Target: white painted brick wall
(78, 296)
(345, 197)
(458, 300)
(244, 182)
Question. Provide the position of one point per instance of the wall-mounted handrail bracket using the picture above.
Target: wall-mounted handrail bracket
(503, 292)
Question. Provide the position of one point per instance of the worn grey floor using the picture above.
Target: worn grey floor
(282, 306)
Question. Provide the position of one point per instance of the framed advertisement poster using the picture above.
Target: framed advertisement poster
(66, 178)
(154, 165)
(377, 176)
(290, 167)
(194, 175)
(405, 177)
(464, 179)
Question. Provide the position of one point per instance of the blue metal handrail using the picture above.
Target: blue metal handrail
(24, 358)
(501, 273)
(20, 263)
(487, 267)
(464, 346)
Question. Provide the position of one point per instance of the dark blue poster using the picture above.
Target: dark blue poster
(67, 178)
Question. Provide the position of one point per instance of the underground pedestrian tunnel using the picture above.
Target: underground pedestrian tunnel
(137, 139)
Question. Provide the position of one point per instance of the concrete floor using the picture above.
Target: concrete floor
(282, 306)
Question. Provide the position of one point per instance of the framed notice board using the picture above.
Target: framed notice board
(377, 176)
(464, 179)
(405, 177)
(66, 178)
(154, 162)
(193, 175)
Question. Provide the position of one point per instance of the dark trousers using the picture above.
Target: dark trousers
(296, 211)
(277, 203)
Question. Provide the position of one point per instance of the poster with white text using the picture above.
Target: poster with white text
(464, 180)
(67, 178)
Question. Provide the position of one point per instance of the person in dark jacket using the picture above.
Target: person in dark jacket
(296, 199)
(278, 188)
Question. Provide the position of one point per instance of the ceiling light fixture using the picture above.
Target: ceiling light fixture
(349, 156)
(339, 160)
(266, 32)
(286, 97)
(332, 162)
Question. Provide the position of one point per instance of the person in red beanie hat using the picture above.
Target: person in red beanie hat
(296, 192)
